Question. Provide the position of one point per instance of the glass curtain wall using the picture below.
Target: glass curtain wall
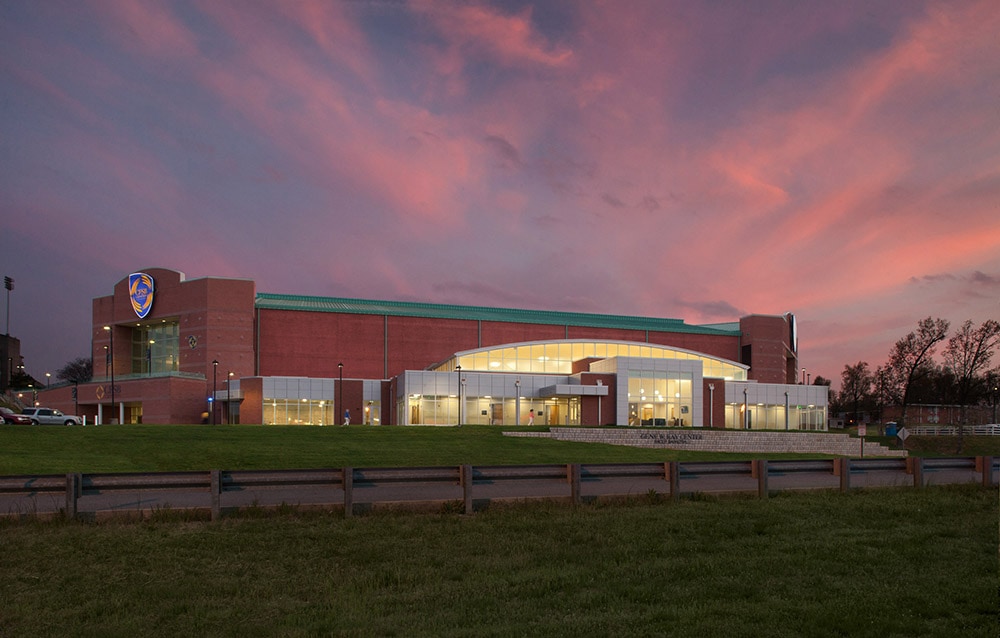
(772, 417)
(660, 398)
(489, 410)
(155, 349)
(297, 412)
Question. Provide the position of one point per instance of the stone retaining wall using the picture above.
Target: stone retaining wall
(707, 440)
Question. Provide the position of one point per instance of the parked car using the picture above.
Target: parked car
(48, 416)
(10, 417)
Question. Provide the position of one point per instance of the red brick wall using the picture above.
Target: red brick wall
(251, 409)
(416, 342)
(768, 338)
(714, 402)
(313, 343)
(589, 405)
(218, 313)
(497, 333)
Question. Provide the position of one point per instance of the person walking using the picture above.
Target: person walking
(531, 417)
(347, 417)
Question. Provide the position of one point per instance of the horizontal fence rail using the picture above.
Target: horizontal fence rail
(90, 494)
(952, 430)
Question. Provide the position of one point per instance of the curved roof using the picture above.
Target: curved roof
(557, 356)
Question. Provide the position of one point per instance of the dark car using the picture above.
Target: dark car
(12, 418)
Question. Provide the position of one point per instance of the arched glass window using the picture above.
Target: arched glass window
(557, 357)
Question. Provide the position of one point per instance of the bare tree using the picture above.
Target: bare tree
(911, 357)
(78, 370)
(968, 356)
(856, 386)
(885, 389)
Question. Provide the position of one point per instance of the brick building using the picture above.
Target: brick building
(170, 350)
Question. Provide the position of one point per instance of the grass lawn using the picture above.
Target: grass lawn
(152, 448)
(895, 562)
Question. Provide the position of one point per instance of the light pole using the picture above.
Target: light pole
(48, 378)
(711, 405)
(111, 358)
(458, 371)
(746, 410)
(517, 401)
(149, 356)
(229, 396)
(215, 367)
(340, 392)
(8, 283)
(803, 376)
(786, 411)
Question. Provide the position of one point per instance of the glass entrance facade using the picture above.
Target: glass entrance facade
(155, 348)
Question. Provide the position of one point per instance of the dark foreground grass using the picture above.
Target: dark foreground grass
(154, 448)
(871, 563)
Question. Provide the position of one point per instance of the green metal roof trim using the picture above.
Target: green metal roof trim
(266, 301)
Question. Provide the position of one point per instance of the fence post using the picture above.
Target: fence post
(347, 478)
(918, 470)
(987, 466)
(674, 476)
(573, 470)
(761, 477)
(466, 474)
(845, 473)
(73, 482)
(216, 488)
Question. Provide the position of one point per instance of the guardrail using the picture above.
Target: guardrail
(472, 479)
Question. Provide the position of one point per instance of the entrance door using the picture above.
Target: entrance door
(554, 415)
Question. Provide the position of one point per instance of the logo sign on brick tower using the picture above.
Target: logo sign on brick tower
(140, 292)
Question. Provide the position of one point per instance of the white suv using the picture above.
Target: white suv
(48, 416)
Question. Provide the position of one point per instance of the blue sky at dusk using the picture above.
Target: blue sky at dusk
(694, 160)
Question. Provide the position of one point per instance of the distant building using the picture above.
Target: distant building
(217, 350)
(10, 355)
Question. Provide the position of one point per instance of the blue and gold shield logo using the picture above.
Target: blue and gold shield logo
(140, 292)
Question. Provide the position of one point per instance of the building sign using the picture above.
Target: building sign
(140, 292)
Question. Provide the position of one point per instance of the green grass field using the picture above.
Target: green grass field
(152, 448)
(897, 562)
(892, 562)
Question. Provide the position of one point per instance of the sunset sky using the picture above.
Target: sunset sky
(683, 159)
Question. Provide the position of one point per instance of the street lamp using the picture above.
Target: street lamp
(229, 396)
(111, 358)
(340, 392)
(458, 372)
(746, 411)
(48, 377)
(786, 411)
(517, 403)
(149, 356)
(711, 405)
(215, 367)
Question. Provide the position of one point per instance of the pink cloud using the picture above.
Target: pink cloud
(511, 40)
(150, 28)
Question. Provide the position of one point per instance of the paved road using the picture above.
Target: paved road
(435, 494)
